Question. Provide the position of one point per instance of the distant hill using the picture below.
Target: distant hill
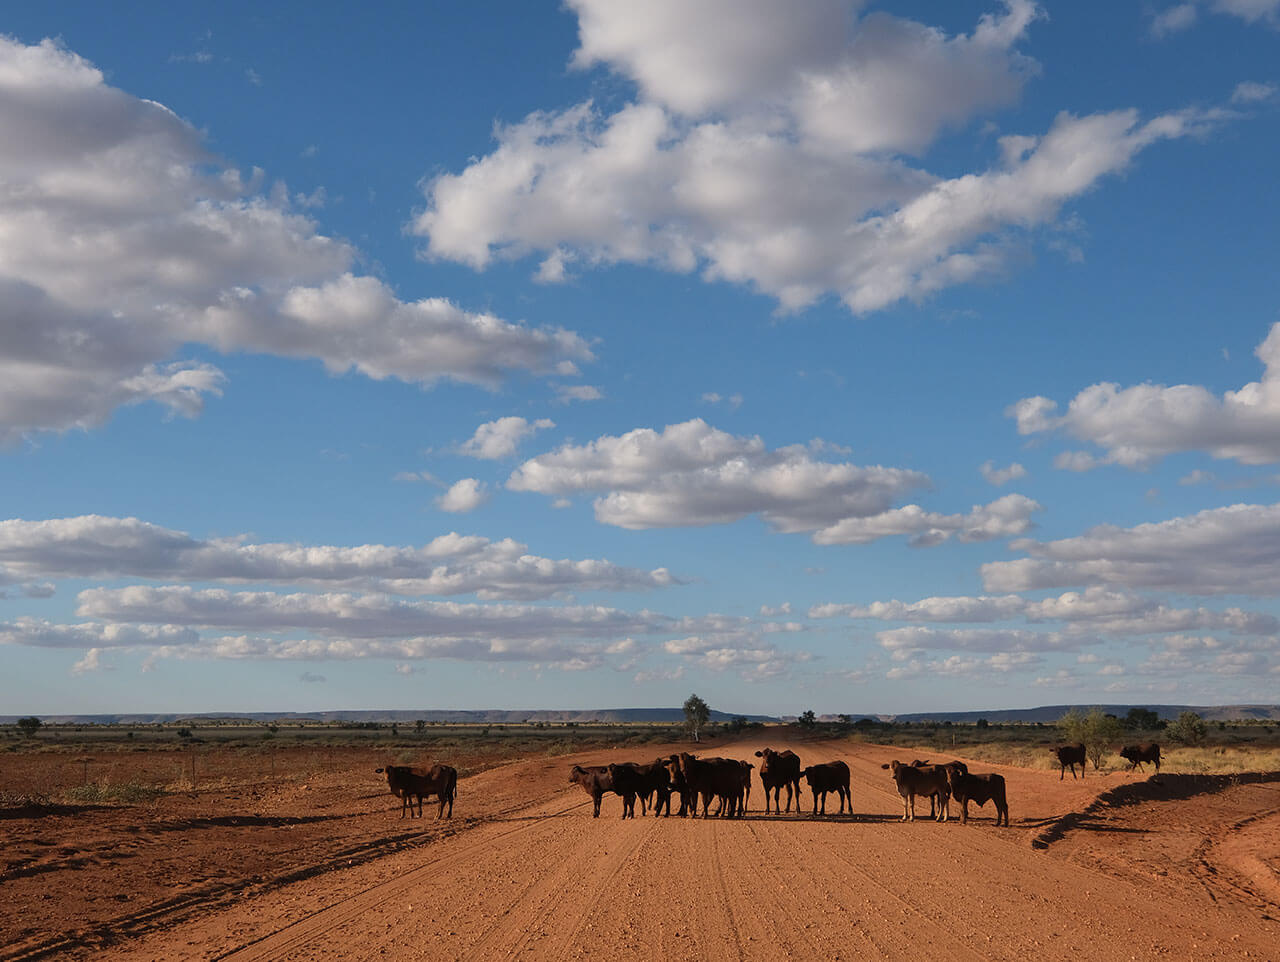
(1051, 713)
(493, 716)
(497, 716)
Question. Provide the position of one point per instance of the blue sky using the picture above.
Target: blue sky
(828, 355)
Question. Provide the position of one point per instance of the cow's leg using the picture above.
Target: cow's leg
(595, 803)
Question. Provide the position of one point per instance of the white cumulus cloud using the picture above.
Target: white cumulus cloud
(770, 144)
(1138, 425)
(122, 239)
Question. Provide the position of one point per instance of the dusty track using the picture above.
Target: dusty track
(529, 874)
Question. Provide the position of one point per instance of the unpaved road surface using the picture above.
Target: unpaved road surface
(1174, 871)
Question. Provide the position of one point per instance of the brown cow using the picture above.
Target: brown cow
(913, 781)
(828, 777)
(1135, 755)
(407, 783)
(934, 799)
(779, 770)
(595, 781)
(1072, 755)
(966, 787)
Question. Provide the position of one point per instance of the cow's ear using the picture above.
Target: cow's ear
(884, 766)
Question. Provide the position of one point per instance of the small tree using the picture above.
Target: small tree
(982, 723)
(807, 719)
(1189, 729)
(1095, 730)
(1141, 719)
(29, 725)
(696, 715)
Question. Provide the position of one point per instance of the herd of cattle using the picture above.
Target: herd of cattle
(727, 781)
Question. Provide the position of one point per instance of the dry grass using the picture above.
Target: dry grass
(1223, 760)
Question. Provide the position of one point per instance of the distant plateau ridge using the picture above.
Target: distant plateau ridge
(1043, 714)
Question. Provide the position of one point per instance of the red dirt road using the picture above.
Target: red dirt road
(524, 872)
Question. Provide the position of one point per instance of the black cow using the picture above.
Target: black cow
(779, 770)
(1135, 755)
(1071, 755)
(980, 789)
(828, 777)
(727, 779)
(680, 785)
(633, 781)
(408, 783)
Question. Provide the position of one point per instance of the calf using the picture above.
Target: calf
(828, 777)
(408, 783)
(980, 789)
(595, 781)
(1135, 755)
(779, 770)
(925, 780)
(1072, 755)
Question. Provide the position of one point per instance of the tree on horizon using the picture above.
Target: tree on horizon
(696, 715)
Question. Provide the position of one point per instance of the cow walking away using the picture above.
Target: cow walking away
(828, 777)
(926, 780)
(408, 783)
(779, 770)
(1069, 755)
(1135, 755)
(967, 787)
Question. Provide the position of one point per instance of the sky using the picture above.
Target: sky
(862, 357)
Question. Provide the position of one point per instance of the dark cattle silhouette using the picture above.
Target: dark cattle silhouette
(727, 779)
(680, 785)
(925, 780)
(408, 783)
(980, 789)
(1135, 755)
(1069, 755)
(632, 781)
(828, 777)
(779, 770)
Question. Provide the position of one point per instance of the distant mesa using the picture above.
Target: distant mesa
(496, 716)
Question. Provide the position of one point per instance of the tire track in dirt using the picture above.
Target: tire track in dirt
(278, 944)
(553, 895)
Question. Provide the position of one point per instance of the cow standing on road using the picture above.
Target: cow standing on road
(913, 781)
(408, 783)
(779, 770)
(828, 777)
(980, 789)
(1069, 755)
